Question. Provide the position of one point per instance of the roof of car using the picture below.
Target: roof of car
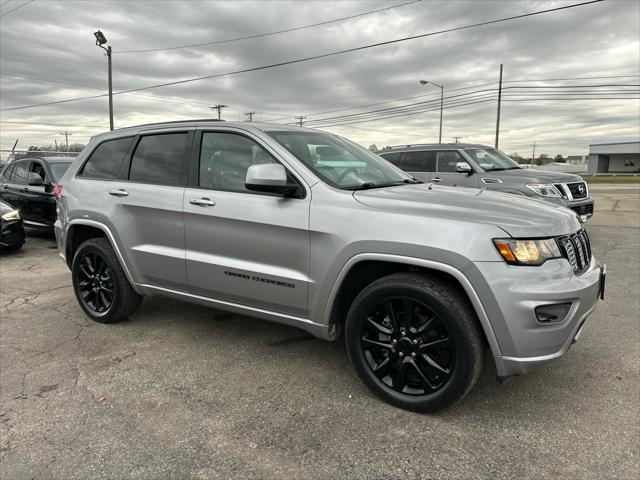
(434, 146)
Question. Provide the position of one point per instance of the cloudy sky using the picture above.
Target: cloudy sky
(48, 53)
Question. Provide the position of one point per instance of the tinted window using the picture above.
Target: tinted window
(393, 158)
(160, 159)
(106, 160)
(38, 169)
(20, 175)
(419, 162)
(447, 161)
(9, 172)
(225, 158)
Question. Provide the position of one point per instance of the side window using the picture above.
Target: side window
(38, 169)
(392, 157)
(447, 161)
(225, 159)
(419, 162)
(20, 175)
(160, 159)
(8, 173)
(106, 160)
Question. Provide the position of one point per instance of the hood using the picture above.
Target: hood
(533, 175)
(520, 217)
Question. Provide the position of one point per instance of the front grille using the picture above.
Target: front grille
(577, 249)
(578, 190)
(583, 209)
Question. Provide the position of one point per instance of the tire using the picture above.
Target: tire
(13, 248)
(415, 341)
(100, 284)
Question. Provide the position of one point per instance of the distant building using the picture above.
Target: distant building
(614, 158)
(576, 159)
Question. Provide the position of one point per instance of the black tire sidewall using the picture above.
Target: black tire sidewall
(462, 374)
(94, 247)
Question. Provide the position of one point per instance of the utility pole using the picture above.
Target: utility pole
(533, 154)
(249, 116)
(499, 102)
(441, 87)
(66, 137)
(219, 108)
(300, 118)
(100, 41)
(457, 139)
(56, 140)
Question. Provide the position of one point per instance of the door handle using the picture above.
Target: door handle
(5, 186)
(119, 192)
(25, 189)
(436, 179)
(202, 202)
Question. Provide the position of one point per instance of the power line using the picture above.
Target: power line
(315, 57)
(260, 35)
(4, 3)
(17, 8)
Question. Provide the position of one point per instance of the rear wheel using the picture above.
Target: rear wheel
(414, 342)
(100, 284)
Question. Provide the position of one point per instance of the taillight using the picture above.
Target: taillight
(57, 191)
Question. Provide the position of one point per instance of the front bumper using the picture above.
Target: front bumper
(513, 292)
(583, 207)
(11, 233)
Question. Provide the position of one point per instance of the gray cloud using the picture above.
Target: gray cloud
(53, 41)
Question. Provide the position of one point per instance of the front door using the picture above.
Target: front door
(446, 173)
(39, 198)
(244, 247)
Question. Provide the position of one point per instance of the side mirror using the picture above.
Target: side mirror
(35, 179)
(463, 167)
(270, 178)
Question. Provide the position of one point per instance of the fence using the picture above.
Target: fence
(11, 155)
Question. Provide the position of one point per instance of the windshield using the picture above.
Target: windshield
(491, 159)
(58, 169)
(340, 162)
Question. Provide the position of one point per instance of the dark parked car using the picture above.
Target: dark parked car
(27, 184)
(11, 230)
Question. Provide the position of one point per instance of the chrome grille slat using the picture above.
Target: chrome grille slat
(577, 250)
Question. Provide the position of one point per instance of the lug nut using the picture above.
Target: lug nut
(401, 354)
(394, 341)
(403, 333)
(413, 354)
(415, 341)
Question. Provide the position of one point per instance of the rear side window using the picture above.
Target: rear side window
(8, 173)
(106, 160)
(419, 162)
(447, 161)
(160, 159)
(20, 175)
(393, 158)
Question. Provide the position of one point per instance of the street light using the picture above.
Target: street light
(100, 41)
(441, 87)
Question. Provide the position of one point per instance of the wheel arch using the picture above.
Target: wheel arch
(363, 269)
(81, 230)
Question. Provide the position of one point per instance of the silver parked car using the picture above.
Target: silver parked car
(308, 229)
(480, 166)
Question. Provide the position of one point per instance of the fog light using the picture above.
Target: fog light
(552, 313)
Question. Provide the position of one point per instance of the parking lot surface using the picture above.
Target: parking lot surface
(181, 391)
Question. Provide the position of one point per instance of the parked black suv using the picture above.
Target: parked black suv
(27, 184)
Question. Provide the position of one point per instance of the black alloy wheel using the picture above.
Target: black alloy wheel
(408, 346)
(95, 282)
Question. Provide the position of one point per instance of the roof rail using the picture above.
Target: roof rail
(187, 120)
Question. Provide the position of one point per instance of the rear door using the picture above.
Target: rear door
(6, 193)
(419, 164)
(446, 173)
(138, 184)
(245, 247)
(14, 188)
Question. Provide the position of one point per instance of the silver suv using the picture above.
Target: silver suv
(305, 228)
(480, 166)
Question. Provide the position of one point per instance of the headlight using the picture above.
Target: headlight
(12, 215)
(544, 189)
(527, 252)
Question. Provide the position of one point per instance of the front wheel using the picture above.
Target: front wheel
(100, 284)
(414, 341)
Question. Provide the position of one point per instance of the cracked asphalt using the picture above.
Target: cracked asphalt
(180, 391)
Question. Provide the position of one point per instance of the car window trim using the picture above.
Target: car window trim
(194, 176)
